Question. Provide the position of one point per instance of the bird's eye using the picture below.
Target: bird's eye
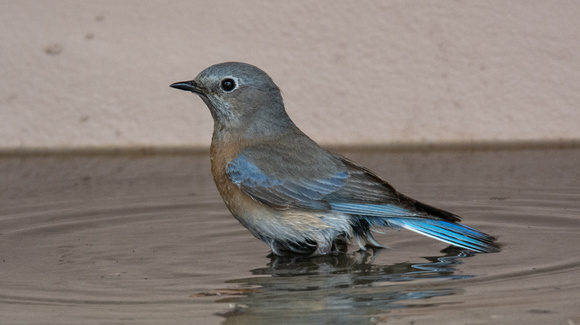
(228, 84)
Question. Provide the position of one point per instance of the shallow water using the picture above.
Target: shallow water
(146, 239)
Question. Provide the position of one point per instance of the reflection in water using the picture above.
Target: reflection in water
(338, 289)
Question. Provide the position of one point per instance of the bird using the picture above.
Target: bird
(291, 193)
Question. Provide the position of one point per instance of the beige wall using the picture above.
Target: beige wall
(96, 74)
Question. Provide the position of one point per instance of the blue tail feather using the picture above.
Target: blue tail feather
(451, 233)
(394, 216)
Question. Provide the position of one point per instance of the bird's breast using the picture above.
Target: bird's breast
(239, 203)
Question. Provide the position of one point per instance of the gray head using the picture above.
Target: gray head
(242, 99)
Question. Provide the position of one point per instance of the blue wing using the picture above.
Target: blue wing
(276, 190)
(335, 184)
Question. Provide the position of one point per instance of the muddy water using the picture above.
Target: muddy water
(134, 239)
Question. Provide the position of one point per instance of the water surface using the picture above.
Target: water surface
(146, 239)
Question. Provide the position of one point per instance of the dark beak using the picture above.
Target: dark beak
(189, 86)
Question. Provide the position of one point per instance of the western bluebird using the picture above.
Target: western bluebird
(290, 192)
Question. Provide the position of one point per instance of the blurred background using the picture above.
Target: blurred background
(95, 75)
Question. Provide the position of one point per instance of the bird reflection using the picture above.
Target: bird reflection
(337, 289)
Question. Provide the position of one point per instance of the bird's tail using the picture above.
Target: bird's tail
(366, 217)
(452, 233)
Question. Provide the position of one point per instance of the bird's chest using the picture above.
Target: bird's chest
(236, 201)
(220, 158)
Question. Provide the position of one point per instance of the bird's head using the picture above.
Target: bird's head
(241, 97)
